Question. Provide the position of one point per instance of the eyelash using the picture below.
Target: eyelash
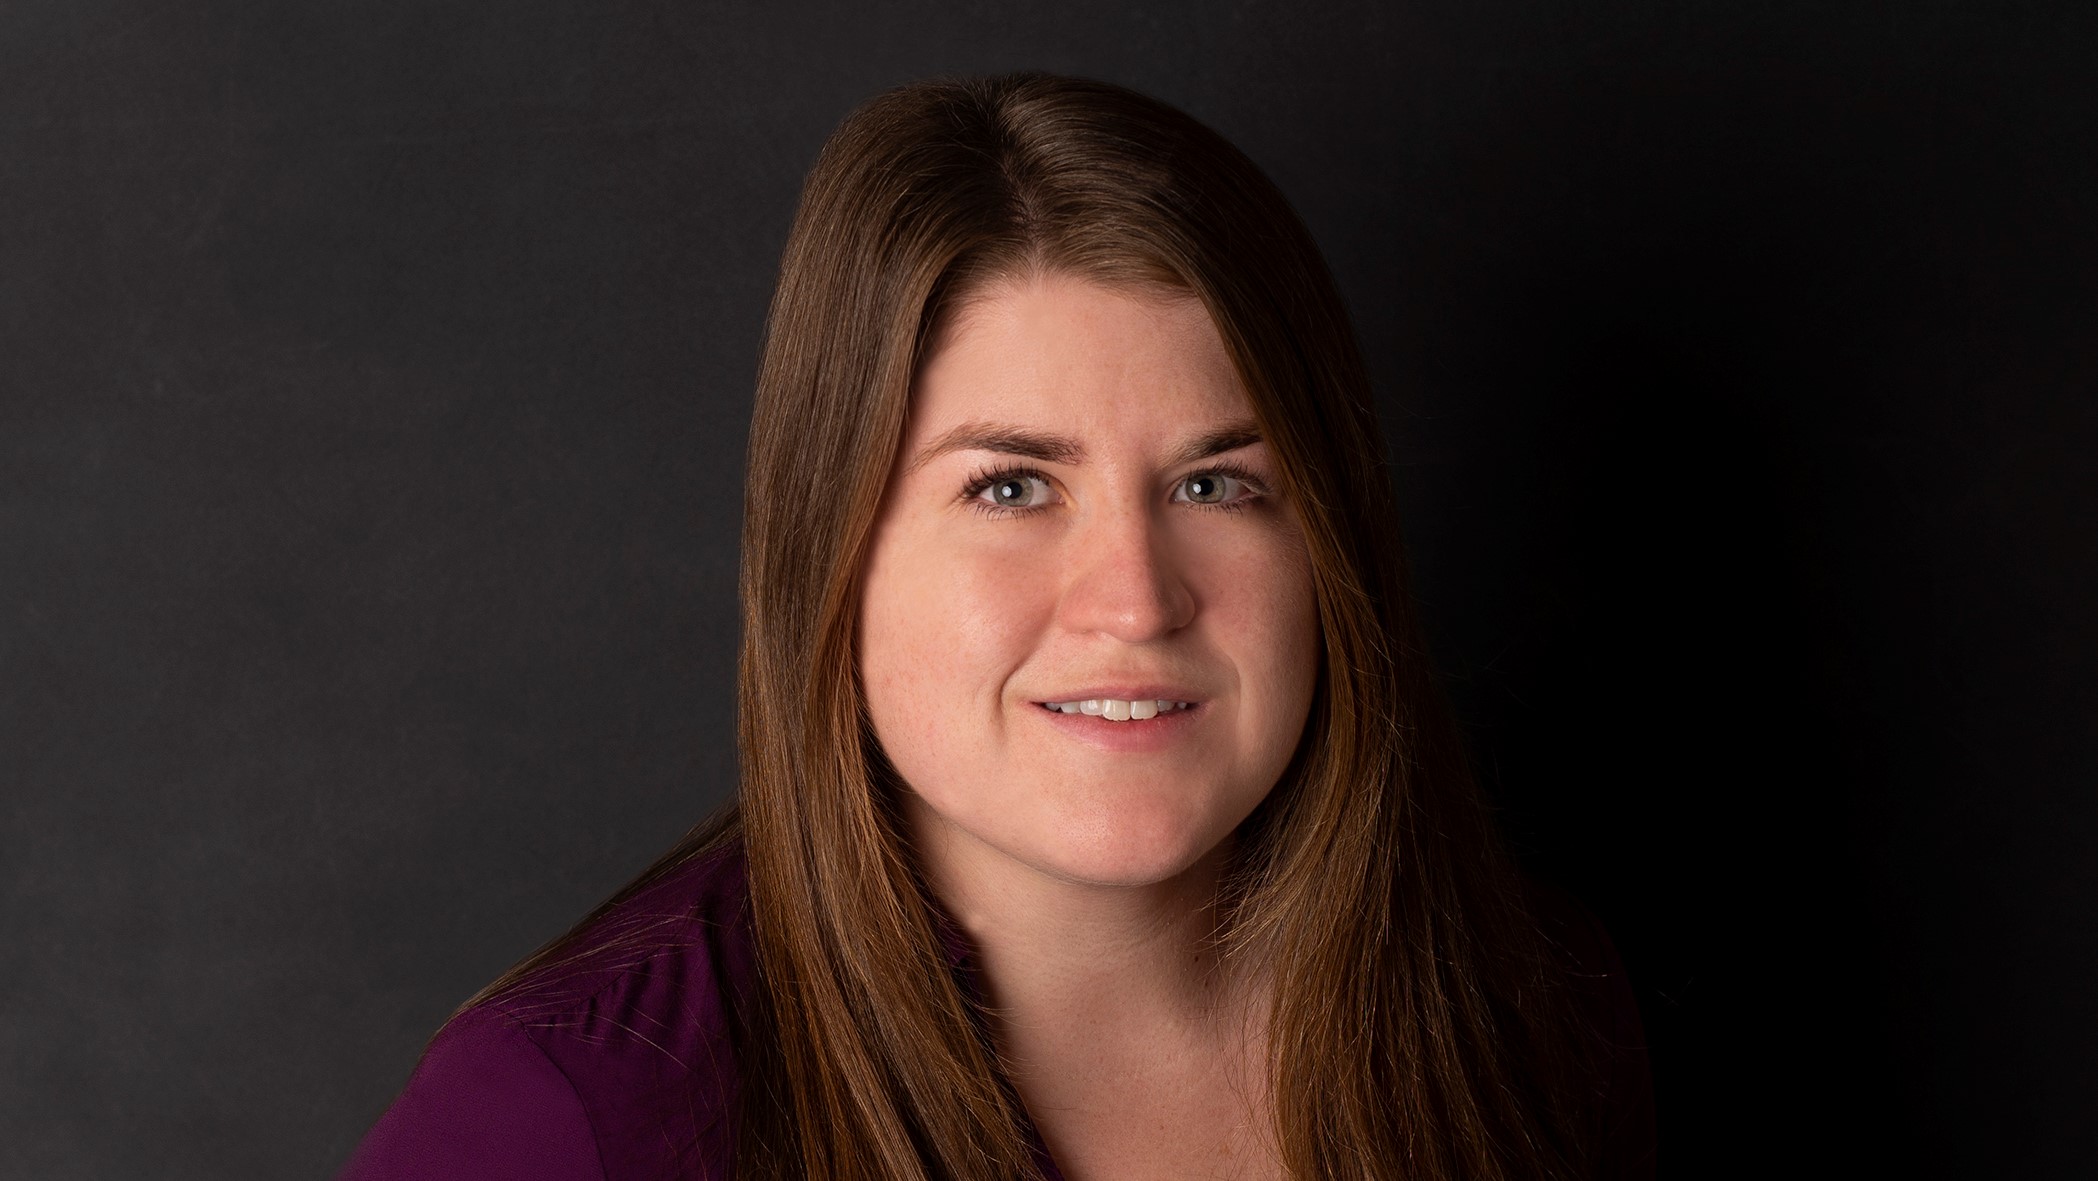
(984, 478)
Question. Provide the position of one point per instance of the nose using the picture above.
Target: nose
(1123, 580)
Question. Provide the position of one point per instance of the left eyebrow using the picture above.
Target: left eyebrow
(1013, 440)
(1229, 437)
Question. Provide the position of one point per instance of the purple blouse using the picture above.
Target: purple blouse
(617, 1064)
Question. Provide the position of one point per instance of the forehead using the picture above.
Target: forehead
(1056, 351)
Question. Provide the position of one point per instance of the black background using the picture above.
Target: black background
(372, 397)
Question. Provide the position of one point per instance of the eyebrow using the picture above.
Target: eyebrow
(1013, 440)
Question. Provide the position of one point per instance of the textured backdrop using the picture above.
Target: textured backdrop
(373, 382)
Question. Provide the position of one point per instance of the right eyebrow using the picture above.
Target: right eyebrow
(1010, 440)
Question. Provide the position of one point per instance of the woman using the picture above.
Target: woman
(1098, 816)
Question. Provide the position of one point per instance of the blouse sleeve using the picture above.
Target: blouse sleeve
(485, 1102)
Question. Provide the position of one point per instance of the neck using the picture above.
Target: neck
(1063, 959)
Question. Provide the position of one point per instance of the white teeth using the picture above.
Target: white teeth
(1116, 711)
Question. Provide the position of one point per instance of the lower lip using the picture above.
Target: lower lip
(1136, 736)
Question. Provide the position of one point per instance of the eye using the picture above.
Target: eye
(1219, 489)
(1011, 490)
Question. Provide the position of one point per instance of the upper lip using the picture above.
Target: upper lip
(1153, 691)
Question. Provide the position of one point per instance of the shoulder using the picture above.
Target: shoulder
(613, 1060)
(484, 1102)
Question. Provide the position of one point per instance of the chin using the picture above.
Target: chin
(1125, 848)
(1105, 835)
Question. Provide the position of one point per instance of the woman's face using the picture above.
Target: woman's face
(1084, 512)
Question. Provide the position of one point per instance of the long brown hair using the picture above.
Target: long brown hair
(1414, 1027)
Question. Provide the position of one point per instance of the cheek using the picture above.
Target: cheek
(1266, 612)
(1298, 608)
(942, 627)
(1261, 583)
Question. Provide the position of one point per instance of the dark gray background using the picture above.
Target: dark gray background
(373, 381)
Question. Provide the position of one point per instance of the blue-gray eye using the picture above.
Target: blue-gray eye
(1209, 488)
(1016, 491)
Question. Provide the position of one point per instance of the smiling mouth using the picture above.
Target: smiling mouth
(1114, 710)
